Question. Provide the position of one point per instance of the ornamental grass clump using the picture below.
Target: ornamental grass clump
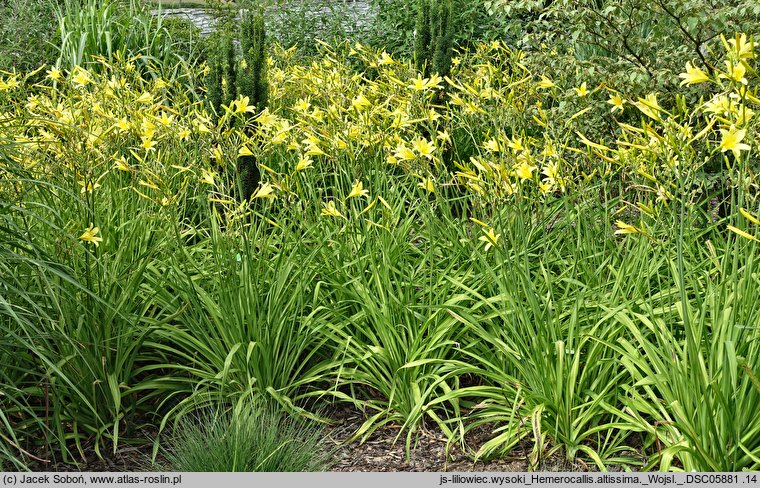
(94, 29)
(251, 437)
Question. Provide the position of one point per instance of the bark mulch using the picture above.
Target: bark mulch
(428, 454)
(381, 452)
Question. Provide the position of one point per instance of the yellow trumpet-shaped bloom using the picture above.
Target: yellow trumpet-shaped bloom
(424, 147)
(735, 72)
(358, 191)
(617, 103)
(732, 141)
(545, 82)
(265, 191)
(329, 210)
(490, 237)
(90, 235)
(427, 185)
(693, 75)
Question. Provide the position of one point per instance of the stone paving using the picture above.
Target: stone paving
(350, 14)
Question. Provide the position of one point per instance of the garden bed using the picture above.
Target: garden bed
(548, 255)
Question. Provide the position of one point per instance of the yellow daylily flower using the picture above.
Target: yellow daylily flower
(90, 235)
(492, 145)
(545, 82)
(303, 163)
(123, 124)
(719, 104)
(649, 106)
(732, 141)
(385, 58)
(55, 74)
(302, 105)
(330, 210)
(266, 118)
(145, 97)
(550, 171)
(148, 144)
(200, 124)
(525, 170)
(515, 144)
(242, 105)
(358, 191)
(419, 83)
(313, 150)
(208, 177)
(582, 90)
(147, 129)
(617, 103)
(427, 185)
(339, 143)
(10, 83)
(423, 147)
(264, 191)
(81, 77)
(404, 153)
(122, 165)
(741, 48)
(490, 237)
(360, 102)
(735, 72)
(434, 82)
(693, 75)
(165, 119)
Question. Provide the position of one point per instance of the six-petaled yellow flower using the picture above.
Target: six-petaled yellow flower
(525, 170)
(90, 235)
(423, 147)
(264, 191)
(303, 163)
(649, 106)
(330, 210)
(693, 75)
(545, 82)
(81, 77)
(617, 103)
(358, 191)
(55, 74)
(732, 141)
(735, 72)
(490, 237)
